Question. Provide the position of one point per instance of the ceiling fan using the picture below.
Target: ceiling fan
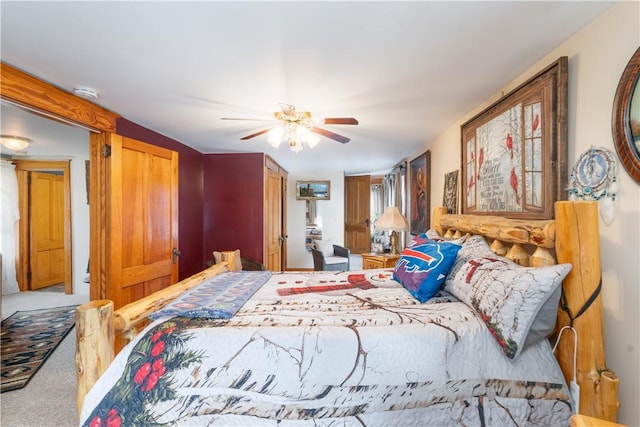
(296, 127)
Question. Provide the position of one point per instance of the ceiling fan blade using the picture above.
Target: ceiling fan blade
(239, 118)
(340, 121)
(331, 135)
(244, 138)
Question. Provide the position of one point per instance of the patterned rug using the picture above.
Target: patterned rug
(28, 339)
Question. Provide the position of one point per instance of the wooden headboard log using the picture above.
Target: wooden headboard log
(575, 238)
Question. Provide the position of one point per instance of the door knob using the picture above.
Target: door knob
(175, 253)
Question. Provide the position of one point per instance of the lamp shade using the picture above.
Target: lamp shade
(392, 220)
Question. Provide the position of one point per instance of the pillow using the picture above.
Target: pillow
(509, 298)
(218, 258)
(325, 246)
(473, 247)
(423, 266)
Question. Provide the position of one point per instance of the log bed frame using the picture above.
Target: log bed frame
(573, 237)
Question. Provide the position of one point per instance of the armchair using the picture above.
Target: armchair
(330, 257)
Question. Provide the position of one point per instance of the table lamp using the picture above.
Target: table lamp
(392, 220)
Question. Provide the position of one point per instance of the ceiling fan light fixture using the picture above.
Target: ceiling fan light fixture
(303, 134)
(15, 143)
(295, 145)
(298, 128)
(275, 136)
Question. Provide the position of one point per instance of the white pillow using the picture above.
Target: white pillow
(325, 246)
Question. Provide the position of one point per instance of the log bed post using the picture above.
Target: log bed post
(95, 343)
(578, 243)
(97, 326)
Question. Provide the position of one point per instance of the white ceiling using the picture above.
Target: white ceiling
(405, 70)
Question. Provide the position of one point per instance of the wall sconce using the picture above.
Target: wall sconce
(15, 143)
(392, 220)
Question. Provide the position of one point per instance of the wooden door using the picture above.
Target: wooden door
(135, 236)
(46, 194)
(274, 219)
(357, 227)
(26, 202)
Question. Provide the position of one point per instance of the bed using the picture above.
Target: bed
(355, 348)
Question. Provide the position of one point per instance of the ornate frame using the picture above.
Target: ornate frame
(626, 129)
(313, 190)
(514, 153)
(420, 192)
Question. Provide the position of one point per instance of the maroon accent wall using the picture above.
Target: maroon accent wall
(234, 203)
(190, 209)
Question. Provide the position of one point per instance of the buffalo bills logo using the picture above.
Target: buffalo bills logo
(423, 266)
(417, 263)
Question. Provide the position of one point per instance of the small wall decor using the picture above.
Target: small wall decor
(514, 153)
(313, 190)
(450, 194)
(420, 192)
(594, 178)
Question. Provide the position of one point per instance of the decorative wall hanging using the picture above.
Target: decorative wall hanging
(450, 194)
(594, 178)
(420, 192)
(313, 190)
(514, 153)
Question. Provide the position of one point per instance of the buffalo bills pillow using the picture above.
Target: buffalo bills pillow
(423, 266)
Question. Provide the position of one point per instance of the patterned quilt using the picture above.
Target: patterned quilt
(349, 348)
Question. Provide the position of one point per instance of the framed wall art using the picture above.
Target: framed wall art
(514, 153)
(450, 193)
(420, 192)
(313, 190)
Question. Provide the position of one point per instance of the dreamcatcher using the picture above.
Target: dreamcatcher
(594, 178)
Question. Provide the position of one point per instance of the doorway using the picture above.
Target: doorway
(44, 202)
(357, 228)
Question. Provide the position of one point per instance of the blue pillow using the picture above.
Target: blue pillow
(423, 266)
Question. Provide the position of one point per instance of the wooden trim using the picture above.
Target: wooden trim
(98, 179)
(22, 169)
(27, 91)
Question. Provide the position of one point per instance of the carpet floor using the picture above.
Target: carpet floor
(28, 339)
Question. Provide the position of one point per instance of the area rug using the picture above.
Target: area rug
(28, 339)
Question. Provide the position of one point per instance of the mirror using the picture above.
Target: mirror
(626, 118)
(313, 223)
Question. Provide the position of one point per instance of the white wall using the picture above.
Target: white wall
(56, 141)
(331, 211)
(597, 56)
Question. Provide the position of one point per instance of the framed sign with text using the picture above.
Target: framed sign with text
(514, 153)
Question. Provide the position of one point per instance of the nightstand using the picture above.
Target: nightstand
(370, 261)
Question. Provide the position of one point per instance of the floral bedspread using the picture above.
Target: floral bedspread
(351, 348)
